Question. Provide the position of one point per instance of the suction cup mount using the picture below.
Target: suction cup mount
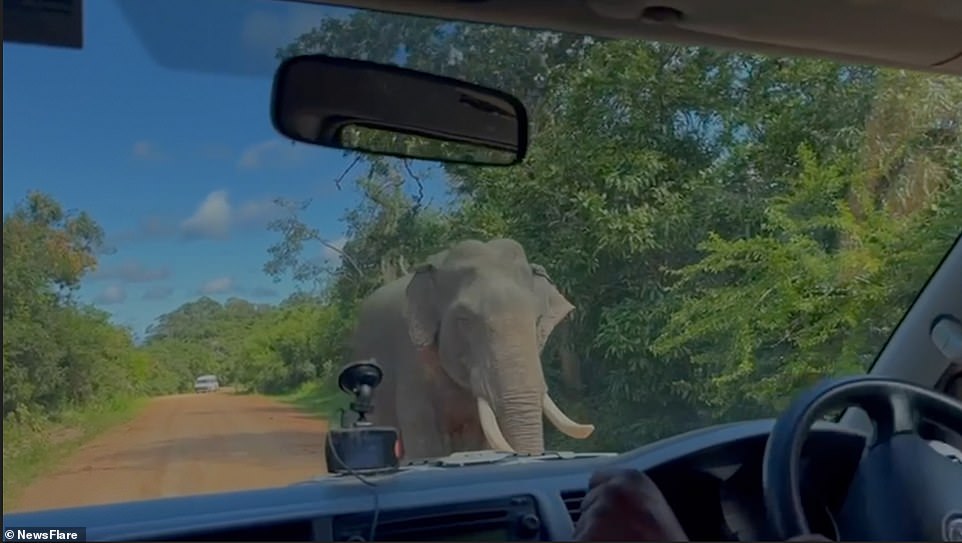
(360, 379)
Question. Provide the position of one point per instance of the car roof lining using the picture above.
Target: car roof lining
(912, 34)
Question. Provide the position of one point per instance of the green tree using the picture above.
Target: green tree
(58, 353)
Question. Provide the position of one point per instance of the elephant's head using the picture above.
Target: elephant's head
(488, 312)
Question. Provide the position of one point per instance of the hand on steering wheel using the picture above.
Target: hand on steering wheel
(903, 489)
(626, 505)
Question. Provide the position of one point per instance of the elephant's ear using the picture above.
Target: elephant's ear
(421, 310)
(556, 306)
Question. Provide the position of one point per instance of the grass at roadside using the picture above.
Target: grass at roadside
(34, 447)
(321, 399)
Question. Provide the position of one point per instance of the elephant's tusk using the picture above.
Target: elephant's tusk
(562, 422)
(489, 425)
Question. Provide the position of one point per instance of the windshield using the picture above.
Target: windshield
(728, 229)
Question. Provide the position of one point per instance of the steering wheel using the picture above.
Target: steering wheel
(903, 489)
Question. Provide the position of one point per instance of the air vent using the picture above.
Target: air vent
(429, 527)
(492, 520)
(573, 499)
(298, 530)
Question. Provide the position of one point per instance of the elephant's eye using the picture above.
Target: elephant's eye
(465, 319)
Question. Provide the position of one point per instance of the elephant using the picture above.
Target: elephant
(459, 341)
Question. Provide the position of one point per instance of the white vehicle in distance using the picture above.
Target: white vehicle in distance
(206, 383)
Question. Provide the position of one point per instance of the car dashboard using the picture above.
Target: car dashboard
(711, 477)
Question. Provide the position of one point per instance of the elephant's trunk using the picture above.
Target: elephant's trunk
(522, 422)
(511, 405)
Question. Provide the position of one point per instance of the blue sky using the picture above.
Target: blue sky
(179, 165)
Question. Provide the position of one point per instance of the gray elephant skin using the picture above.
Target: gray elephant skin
(459, 339)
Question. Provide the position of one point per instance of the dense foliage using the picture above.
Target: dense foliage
(729, 227)
(264, 348)
(56, 352)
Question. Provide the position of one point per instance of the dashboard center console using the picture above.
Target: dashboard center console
(508, 519)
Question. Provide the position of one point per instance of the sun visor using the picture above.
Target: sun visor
(44, 22)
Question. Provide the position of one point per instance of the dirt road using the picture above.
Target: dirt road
(187, 444)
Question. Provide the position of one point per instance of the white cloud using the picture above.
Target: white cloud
(130, 272)
(114, 294)
(212, 218)
(328, 254)
(145, 150)
(216, 216)
(219, 285)
(270, 153)
(255, 211)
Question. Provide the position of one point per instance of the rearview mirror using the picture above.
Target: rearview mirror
(388, 110)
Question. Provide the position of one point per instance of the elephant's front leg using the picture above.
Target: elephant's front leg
(469, 437)
(421, 434)
(419, 419)
(460, 422)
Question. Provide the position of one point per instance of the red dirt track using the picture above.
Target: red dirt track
(187, 444)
